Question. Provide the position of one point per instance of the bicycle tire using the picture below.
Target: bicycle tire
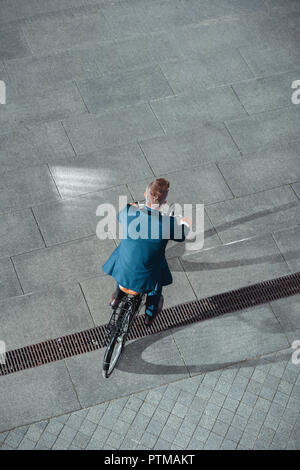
(116, 344)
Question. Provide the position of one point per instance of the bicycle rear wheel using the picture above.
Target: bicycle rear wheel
(116, 344)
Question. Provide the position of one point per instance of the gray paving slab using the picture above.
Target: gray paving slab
(97, 292)
(281, 30)
(36, 394)
(268, 59)
(288, 243)
(254, 132)
(63, 31)
(208, 143)
(35, 431)
(295, 435)
(296, 188)
(158, 355)
(138, 51)
(234, 265)
(135, 52)
(248, 216)
(206, 71)
(242, 6)
(38, 74)
(280, 7)
(200, 185)
(180, 113)
(35, 145)
(123, 89)
(61, 102)
(104, 169)
(27, 444)
(216, 34)
(13, 440)
(112, 128)
(9, 285)
(270, 166)
(105, 53)
(209, 175)
(46, 314)
(4, 75)
(13, 44)
(23, 187)
(19, 233)
(265, 94)
(71, 261)
(12, 10)
(137, 188)
(127, 18)
(235, 337)
(76, 218)
(47, 440)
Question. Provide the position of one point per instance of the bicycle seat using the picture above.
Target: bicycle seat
(128, 291)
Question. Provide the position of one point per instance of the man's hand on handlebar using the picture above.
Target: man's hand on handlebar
(187, 220)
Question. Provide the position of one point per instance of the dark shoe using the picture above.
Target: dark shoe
(114, 303)
(150, 320)
(161, 304)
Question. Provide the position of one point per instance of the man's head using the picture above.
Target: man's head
(156, 192)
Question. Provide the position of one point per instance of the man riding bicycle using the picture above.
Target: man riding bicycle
(139, 264)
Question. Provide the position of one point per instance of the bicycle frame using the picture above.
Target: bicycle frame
(114, 323)
(118, 329)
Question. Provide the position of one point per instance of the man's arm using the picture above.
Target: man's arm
(122, 217)
(180, 230)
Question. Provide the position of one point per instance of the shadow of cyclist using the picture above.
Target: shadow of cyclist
(133, 361)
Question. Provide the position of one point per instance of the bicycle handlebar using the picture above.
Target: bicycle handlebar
(169, 212)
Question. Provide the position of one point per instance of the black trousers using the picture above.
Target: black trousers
(152, 299)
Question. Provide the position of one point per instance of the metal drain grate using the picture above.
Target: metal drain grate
(95, 338)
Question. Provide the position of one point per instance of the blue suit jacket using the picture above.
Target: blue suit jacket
(140, 263)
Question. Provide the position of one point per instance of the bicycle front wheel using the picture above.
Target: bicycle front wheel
(115, 347)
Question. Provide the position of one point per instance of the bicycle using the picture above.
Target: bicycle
(123, 317)
(118, 328)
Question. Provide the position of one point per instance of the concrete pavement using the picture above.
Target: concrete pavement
(249, 405)
(102, 97)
